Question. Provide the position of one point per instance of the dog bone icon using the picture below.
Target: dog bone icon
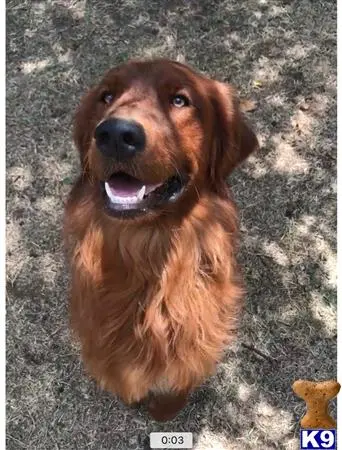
(316, 396)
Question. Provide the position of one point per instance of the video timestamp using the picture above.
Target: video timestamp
(171, 440)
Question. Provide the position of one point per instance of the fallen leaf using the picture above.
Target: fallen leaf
(257, 83)
(248, 105)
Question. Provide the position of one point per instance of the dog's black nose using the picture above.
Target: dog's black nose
(120, 139)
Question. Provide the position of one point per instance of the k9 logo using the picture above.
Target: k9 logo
(318, 439)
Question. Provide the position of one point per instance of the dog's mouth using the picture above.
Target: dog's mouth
(127, 196)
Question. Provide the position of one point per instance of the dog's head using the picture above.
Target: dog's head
(155, 134)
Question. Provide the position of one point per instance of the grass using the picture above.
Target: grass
(281, 54)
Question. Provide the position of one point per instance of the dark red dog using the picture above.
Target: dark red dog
(151, 229)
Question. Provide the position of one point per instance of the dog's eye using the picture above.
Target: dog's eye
(179, 101)
(107, 98)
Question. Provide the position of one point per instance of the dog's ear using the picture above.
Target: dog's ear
(85, 121)
(234, 139)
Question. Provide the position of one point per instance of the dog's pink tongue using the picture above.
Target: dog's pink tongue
(123, 185)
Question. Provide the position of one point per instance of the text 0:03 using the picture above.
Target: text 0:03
(171, 440)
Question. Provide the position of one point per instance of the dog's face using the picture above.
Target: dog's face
(155, 134)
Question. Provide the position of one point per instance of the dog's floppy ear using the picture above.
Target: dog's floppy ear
(234, 139)
(84, 120)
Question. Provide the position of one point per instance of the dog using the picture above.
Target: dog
(151, 231)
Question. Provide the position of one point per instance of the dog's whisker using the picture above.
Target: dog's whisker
(197, 191)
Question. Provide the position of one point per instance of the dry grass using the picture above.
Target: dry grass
(282, 55)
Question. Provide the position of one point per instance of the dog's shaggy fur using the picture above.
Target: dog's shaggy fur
(155, 297)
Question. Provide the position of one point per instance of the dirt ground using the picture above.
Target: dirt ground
(282, 54)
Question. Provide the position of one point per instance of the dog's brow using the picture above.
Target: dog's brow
(136, 92)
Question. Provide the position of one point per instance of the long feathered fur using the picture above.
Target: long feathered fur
(152, 302)
(155, 302)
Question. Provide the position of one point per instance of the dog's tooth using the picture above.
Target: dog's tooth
(109, 192)
(141, 193)
(121, 200)
(124, 200)
(127, 199)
